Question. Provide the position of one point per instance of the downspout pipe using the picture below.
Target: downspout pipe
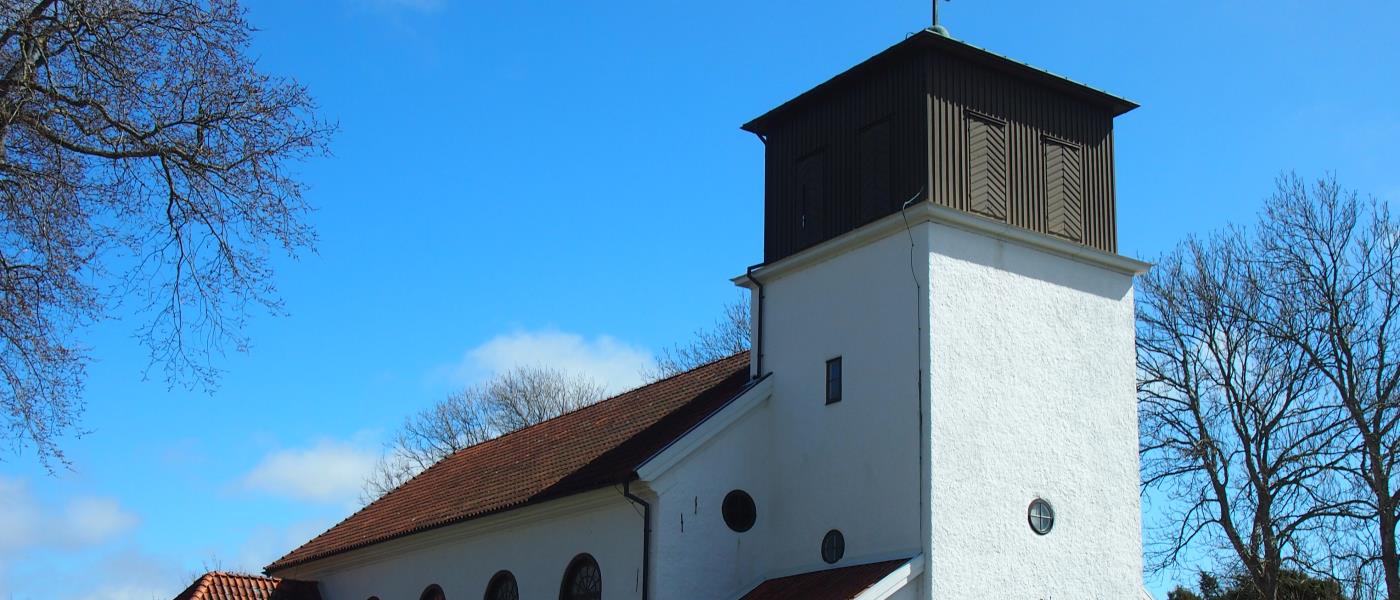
(758, 329)
(646, 536)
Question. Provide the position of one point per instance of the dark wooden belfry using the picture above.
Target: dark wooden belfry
(959, 125)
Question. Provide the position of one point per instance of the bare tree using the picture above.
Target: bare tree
(511, 400)
(143, 158)
(524, 396)
(1334, 269)
(729, 335)
(458, 421)
(1233, 428)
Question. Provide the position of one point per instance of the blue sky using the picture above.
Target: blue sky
(566, 181)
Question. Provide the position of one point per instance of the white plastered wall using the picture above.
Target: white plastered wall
(699, 556)
(852, 465)
(535, 543)
(1032, 395)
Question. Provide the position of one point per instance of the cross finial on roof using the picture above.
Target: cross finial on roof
(939, 29)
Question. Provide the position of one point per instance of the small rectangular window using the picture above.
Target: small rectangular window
(833, 380)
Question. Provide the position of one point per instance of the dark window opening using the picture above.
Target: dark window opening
(833, 546)
(582, 580)
(502, 587)
(739, 511)
(833, 380)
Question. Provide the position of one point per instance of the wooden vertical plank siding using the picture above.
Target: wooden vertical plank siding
(966, 128)
(867, 138)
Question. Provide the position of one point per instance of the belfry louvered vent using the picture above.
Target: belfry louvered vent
(986, 166)
(810, 174)
(875, 170)
(1064, 196)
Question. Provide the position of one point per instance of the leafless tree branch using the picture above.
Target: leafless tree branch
(143, 159)
(730, 334)
(512, 400)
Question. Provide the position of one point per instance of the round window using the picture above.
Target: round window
(739, 511)
(833, 546)
(1041, 516)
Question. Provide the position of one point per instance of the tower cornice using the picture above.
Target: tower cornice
(926, 212)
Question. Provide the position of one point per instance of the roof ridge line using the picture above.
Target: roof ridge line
(201, 585)
(608, 399)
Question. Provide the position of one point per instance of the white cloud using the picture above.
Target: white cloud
(33, 531)
(267, 543)
(329, 471)
(615, 364)
(125, 574)
(82, 522)
(19, 521)
(91, 521)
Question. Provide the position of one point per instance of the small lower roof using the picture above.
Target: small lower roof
(844, 583)
(219, 585)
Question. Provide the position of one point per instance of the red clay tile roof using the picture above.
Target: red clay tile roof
(587, 449)
(217, 585)
(844, 583)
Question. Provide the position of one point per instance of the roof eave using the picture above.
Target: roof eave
(758, 125)
(746, 399)
(1116, 105)
(283, 563)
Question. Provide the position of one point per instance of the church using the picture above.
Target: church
(939, 400)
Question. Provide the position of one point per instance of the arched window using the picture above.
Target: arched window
(502, 587)
(433, 592)
(582, 580)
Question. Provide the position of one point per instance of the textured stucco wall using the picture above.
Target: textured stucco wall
(536, 550)
(852, 465)
(1032, 395)
(700, 557)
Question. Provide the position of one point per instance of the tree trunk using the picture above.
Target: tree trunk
(1389, 558)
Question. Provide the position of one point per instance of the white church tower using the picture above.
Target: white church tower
(948, 328)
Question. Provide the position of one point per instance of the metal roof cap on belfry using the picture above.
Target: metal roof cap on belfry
(928, 38)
